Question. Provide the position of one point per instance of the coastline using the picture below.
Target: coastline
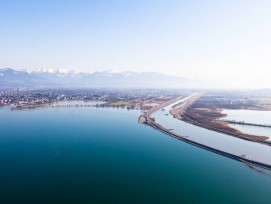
(150, 121)
(218, 125)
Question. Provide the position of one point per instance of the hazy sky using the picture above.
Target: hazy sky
(226, 42)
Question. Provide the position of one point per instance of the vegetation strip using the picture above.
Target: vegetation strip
(190, 120)
(152, 123)
(245, 123)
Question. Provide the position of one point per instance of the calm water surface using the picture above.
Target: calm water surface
(250, 116)
(96, 155)
(252, 150)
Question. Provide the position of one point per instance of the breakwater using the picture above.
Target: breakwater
(247, 157)
(245, 123)
(186, 118)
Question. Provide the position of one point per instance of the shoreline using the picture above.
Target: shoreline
(146, 119)
(226, 154)
(191, 121)
(218, 125)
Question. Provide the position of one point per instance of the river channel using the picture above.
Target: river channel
(239, 147)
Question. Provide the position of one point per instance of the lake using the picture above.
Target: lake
(103, 155)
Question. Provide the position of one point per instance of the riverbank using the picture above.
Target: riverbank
(243, 136)
(211, 119)
(133, 104)
(231, 156)
(242, 157)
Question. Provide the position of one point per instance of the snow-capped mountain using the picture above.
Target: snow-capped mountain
(10, 78)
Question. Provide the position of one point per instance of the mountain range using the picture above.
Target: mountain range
(61, 78)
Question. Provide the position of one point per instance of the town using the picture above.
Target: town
(130, 98)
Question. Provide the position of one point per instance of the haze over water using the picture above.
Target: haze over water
(90, 155)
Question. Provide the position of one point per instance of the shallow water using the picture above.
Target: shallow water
(79, 102)
(252, 150)
(250, 116)
(101, 155)
(254, 130)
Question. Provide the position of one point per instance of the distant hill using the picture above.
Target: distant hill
(48, 78)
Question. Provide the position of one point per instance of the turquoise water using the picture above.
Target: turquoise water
(96, 155)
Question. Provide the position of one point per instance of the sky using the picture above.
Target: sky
(226, 43)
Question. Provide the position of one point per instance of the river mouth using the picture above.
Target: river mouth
(241, 148)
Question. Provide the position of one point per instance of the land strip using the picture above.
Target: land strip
(146, 118)
(178, 109)
(210, 119)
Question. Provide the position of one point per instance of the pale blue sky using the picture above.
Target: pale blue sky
(216, 40)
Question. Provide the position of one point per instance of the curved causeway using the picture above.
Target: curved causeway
(248, 152)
